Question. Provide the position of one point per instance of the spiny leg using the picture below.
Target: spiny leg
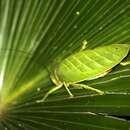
(66, 85)
(124, 63)
(50, 92)
(88, 87)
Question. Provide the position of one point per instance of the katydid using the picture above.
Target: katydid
(87, 64)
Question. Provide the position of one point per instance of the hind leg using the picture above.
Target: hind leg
(80, 86)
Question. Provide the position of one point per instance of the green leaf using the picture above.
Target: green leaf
(33, 34)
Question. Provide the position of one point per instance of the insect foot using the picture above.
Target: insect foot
(39, 101)
(125, 63)
(101, 92)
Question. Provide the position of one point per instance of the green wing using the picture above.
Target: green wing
(87, 64)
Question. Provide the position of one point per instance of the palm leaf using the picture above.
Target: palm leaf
(34, 33)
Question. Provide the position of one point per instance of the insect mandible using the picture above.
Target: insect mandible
(87, 65)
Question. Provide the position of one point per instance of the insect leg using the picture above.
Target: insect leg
(50, 92)
(124, 63)
(88, 87)
(66, 87)
(84, 43)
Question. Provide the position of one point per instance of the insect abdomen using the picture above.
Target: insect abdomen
(86, 64)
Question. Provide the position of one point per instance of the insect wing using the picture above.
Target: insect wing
(87, 64)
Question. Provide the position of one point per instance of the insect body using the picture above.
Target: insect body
(87, 65)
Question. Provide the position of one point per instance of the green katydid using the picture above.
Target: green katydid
(87, 65)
